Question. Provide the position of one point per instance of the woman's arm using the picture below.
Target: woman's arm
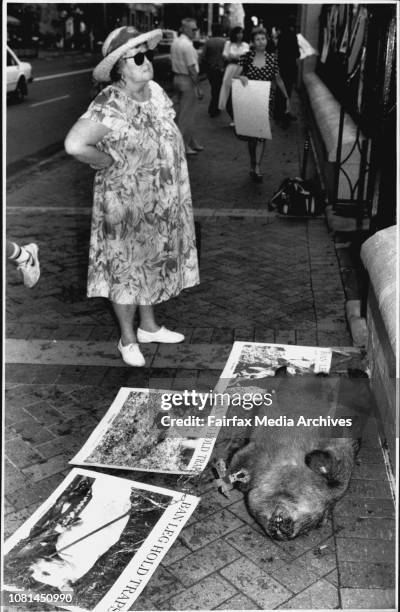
(282, 87)
(81, 142)
(226, 52)
(238, 74)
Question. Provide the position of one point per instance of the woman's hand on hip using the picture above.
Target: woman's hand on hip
(244, 80)
(102, 163)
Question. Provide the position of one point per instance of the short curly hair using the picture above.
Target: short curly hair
(260, 30)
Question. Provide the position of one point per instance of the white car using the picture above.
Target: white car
(168, 37)
(19, 74)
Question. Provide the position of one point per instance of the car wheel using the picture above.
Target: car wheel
(21, 90)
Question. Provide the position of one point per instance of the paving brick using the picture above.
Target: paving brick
(371, 599)
(321, 595)
(14, 479)
(364, 507)
(21, 453)
(31, 493)
(74, 426)
(295, 576)
(370, 471)
(45, 413)
(41, 471)
(14, 520)
(360, 527)
(215, 526)
(175, 553)
(192, 356)
(205, 595)
(67, 445)
(255, 583)
(162, 585)
(367, 575)
(203, 562)
(370, 488)
(240, 509)
(201, 334)
(238, 602)
(333, 577)
(264, 335)
(320, 560)
(209, 504)
(258, 547)
(365, 551)
(30, 431)
(369, 455)
(14, 414)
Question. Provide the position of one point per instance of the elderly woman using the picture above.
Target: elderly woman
(142, 247)
(260, 64)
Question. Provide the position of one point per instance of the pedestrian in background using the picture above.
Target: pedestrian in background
(26, 258)
(214, 64)
(260, 64)
(142, 246)
(288, 55)
(234, 48)
(185, 66)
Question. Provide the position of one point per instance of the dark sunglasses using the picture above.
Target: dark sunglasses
(139, 57)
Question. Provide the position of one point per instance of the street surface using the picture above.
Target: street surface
(60, 93)
(56, 98)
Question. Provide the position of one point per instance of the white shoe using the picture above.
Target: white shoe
(162, 335)
(30, 268)
(131, 354)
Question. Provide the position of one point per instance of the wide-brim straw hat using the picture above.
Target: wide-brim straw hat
(117, 43)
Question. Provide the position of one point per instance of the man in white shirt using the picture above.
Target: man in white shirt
(185, 66)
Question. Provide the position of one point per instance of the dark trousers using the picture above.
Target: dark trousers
(288, 77)
(215, 76)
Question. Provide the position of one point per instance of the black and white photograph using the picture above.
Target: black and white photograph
(200, 293)
(258, 360)
(131, 435)
(90, 539)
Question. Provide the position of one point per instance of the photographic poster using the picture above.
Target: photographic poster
(256, 360)
(93, 544)
(288, 387)
(254, 95)
(139, 432)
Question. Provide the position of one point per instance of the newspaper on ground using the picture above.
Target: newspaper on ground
(256, 360)
(153, 430)
(93, 544)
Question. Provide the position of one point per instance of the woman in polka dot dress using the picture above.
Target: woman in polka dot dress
(260, 64)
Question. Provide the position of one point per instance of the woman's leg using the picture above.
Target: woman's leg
(147, 320)
(229, 107)
(125, 314)
(252, 144)
(259, 154)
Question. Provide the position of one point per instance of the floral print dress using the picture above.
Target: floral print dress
(142, 246)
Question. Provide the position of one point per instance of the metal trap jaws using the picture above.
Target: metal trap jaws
(223, 481)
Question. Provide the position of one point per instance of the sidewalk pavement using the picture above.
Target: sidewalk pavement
(263, 278)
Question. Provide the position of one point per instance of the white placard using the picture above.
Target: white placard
(252, 360)
(93, 544)
(129, 436)
(251, 108)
